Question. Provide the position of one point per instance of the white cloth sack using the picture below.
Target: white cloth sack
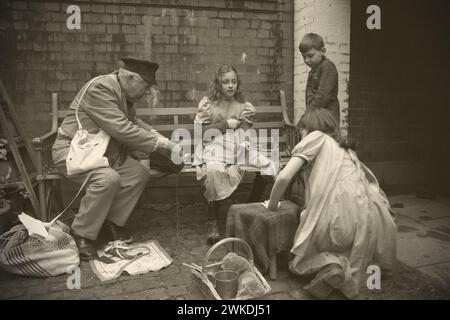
(86, 149)
(87, 152)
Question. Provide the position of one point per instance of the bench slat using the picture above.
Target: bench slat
(257, 125)
(182, 111)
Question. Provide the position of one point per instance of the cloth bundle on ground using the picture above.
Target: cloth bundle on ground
(267, 232)
(29, 256)
(236, 263)
(249, 284)
(135, 259)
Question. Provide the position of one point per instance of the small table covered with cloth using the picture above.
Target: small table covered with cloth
(267, 232)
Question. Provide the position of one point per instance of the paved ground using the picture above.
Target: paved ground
(423, 251)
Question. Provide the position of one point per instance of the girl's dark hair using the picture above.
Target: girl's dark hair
(322, 119)
(214, 90)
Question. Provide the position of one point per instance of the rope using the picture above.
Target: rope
(177, 204)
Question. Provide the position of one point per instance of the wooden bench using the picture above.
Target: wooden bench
(48, 178)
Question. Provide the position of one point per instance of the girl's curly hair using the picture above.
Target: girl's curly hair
(215, 92)
(322, 119)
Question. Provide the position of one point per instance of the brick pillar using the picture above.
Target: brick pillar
(330, 19)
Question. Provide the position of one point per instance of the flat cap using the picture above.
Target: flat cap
(145, 68)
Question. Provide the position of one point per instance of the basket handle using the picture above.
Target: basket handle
(224, 241)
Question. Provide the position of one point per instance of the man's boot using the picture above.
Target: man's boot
(112, 232)
(85, 246)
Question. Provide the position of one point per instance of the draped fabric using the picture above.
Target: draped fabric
(217, 162)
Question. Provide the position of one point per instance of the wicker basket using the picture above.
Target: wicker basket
(201, 275)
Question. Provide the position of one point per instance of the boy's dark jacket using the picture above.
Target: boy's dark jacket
(322, 87)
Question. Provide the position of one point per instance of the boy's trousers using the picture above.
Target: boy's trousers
(111, 193)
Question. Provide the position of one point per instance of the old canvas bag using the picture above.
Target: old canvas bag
(28, 256)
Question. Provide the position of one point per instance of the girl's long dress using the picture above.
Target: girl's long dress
(346, 220)
(219, 177)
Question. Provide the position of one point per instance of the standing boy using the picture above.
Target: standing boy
(322, 84)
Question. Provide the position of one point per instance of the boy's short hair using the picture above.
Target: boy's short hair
(311, 40)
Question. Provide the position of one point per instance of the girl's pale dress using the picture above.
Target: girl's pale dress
(220, 178)
(346, 220)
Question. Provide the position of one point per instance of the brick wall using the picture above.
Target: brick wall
(399, 102)
(330, 19)
(189, 39)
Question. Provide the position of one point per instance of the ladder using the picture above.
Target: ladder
(14, 133)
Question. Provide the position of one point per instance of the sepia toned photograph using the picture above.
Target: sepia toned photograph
(224, 151)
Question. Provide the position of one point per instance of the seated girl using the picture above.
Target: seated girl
(346, 224)
(224, 109)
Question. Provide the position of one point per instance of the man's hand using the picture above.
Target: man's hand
(233, 123)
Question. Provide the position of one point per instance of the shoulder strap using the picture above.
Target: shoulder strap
(81, 97)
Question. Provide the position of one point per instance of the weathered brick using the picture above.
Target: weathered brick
(172, 86)
(266, 25)
(99, 47)
(127, 10)
(130, 19)
(96, 28)
(160, 39)
(112, 28)
(170, 30)
(129, 48)
(263, 34)
(171, 49)
(211, 13)
(53, 27)
(69, 86)
(21, 25)
(113, 47)
(225, 14)
(156, 30)
(97, 8)
(19, 5)
(162, 21)
(224, 33)
(112, 9)
(129, 29)
(132, 38)
(236, 14)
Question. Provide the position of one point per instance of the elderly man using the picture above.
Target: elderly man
(111, 192)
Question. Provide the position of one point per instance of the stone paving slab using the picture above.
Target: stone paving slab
(416, 251)
(440, 272)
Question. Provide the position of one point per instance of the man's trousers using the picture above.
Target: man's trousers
(111, 193)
